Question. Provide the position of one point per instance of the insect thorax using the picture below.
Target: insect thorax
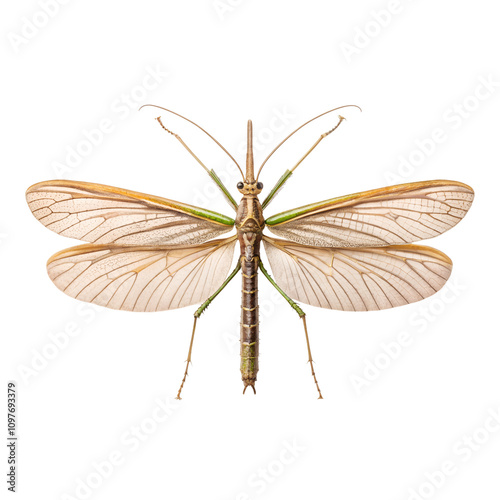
(249, 223)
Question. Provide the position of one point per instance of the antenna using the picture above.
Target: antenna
(202, 129)
(297, 129)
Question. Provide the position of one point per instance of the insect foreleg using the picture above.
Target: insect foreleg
(211, 173)
(301, 314)
(281, 182)
(197, 314)
(276, 189)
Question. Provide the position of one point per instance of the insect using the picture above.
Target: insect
(351, 253)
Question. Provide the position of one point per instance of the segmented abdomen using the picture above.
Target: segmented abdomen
(249, 321)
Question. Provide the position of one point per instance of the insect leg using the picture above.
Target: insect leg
(197, 314)
(301, 314)
(281, 182)
(211, 173)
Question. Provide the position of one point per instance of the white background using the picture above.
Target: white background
(419, 69)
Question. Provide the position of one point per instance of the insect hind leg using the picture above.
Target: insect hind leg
(188, 360)
(310, 360)
(197, 314)
(302, 315)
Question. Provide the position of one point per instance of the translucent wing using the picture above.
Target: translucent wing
(103, 214)
(364, 279)
(389, 216)
(142, 278)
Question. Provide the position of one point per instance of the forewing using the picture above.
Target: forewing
(142, 278)
(364, 279)
(389, 216)
(104, 214)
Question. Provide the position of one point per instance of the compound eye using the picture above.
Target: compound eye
(240, 185)
(260, 185)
